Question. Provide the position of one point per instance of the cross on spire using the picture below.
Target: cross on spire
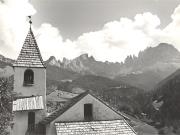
(30, 20)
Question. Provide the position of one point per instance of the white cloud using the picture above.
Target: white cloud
(172, 32)
(51, 43)
(118, 39)
(113, 42)
(13, 25)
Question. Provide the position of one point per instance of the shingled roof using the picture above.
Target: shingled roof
(109, 127)
(30, 55)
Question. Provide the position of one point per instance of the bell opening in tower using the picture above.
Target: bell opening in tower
(28, 77)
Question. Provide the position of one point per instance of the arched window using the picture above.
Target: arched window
(28, 77)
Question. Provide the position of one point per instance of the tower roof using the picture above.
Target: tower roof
(30, 55)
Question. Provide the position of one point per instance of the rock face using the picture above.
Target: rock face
(78, 64)
(52, 61)
(151, 66)
(85, 64)
(144, 71)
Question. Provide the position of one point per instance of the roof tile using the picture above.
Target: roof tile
(109, 127)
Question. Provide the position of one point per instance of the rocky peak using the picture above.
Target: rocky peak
(52, 58)
(162, 53)
(83, 57)
(167, 49)
(166, 45)
(65, 61)
(53, 61)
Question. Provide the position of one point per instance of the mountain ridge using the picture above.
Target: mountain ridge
(151, 65)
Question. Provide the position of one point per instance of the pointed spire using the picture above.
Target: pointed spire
(30, 55)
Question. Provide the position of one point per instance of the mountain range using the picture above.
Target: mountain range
(144, 71)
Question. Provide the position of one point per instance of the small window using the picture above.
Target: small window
(28, 77)
(31, 120)
(88, 112)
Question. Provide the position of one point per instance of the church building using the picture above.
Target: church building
(30, 86)
(84, 114)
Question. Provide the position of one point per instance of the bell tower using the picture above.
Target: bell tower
(30, 85)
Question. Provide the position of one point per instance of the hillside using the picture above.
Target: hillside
(169, 94)
(59, 74)
(146, 80)
(93, 82)
(166, 99)
(125, 97)
(6, 69)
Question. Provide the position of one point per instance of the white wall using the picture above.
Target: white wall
(20, 125)
(21, 121)
(76, 113)
(38, 88)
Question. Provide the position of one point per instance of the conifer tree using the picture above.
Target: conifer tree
(6, 87)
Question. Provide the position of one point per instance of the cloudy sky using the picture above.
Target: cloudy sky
(107, 29)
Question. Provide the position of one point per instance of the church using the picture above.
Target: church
(84, 114)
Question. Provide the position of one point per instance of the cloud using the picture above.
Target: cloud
(13, 25)
(51, 43)
(172, 31)
(113, 42)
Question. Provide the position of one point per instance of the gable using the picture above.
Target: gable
(100, 111)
